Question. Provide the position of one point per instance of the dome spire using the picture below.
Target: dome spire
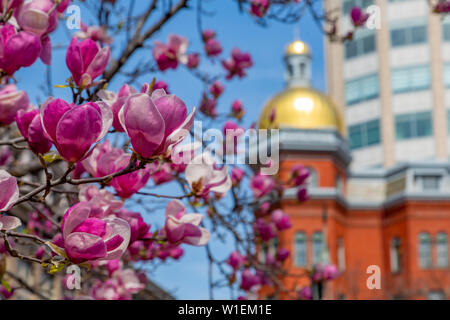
(298, 63)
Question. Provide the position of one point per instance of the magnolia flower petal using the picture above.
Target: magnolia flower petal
(107, 119)
(9, 223)
(82, 247)
(175, 208)
(118, 227)
(192, 218)
(9, 191)
(202, 240)
(74, 217)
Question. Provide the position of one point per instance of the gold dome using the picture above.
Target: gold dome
(297, 47)
(301, 108)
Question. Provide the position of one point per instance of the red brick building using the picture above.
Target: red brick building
(397, 218)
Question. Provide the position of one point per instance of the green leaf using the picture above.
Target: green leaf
(59, 251)
(6, 285)
(56, 268)
(62, 86)
(51, 157)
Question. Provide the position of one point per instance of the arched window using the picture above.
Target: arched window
(395, 254)
(313, 179)
(442, 249)
(424, 250)
(341, 254)
(317, 247)
(338, 184)
(302, 69)
(300, 249)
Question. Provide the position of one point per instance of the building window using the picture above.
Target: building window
(300, 249)
(395, 254)
(362, 89)
(446, 31)
(424, 250)
(364, 134)
(313, 179)
(347, 5)
(436, 295)
(317, 247)
(413, 125)
(442, 250)
(410, 35)
(448, 121)
(339, 184)
(341, 254)
(360, 46)
(410, 79)
(428, 182)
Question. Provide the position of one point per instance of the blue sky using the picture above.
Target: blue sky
(187, 278)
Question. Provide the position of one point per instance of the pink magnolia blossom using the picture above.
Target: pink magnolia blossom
(7, 294)
(99, 198)
(96, 33)
(184, 228)
(208, 106)
(281, 220)
(302, 195)
(17, 49)
(138, 227)
(236, 260)
(208, 34)
(167, 56)
(11, 101)
(237, 109)
(10, 4)
(282, 254)
(299, 174)
(216, 89)
(9, 191)
(213, 48)
(193, 60)
(40, 18)
(358, 16)
(161, 85)
(232, 131)
(237, 64)
(155, 124)
(259, 8)
(125, 185)
(161, 173)
(89, 238)
(324, 272)
(262, 185)
(30, 126)
(91, 163)
(73, 129)
(86, 61)
(63, 5)
(236, 175)
(266, 230)
(121, 286)
(182, 154)
(37, 17)
(116, 102)
(203, 176)
(249, 280)
(305, 293)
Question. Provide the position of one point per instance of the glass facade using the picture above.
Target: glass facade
(410, 79)
(365, 134)
(362, 89)
(413, 125)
